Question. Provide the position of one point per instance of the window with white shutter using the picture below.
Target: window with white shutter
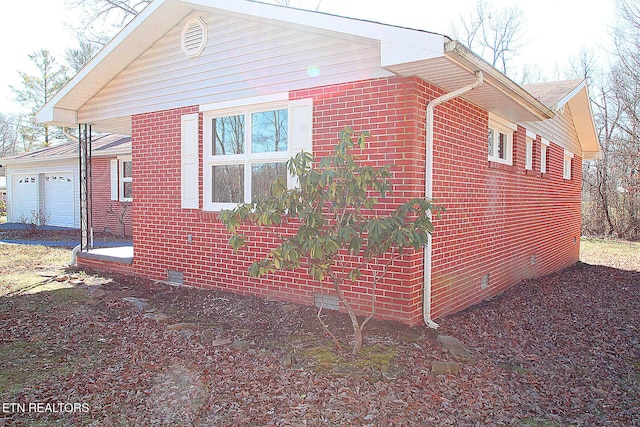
(246, 149)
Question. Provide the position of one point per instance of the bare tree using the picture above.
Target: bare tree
(102, 19)
(611, 202)
(9, 135)
(495, 34)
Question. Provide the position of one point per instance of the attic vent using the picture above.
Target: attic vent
(194, 37)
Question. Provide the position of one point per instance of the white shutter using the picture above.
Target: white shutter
(189, 162)
(300, 131)
(114, 179)
(300, 125)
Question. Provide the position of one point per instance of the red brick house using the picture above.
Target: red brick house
(217, 95)
(47, 180)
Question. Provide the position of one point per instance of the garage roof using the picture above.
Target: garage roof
(108, 145)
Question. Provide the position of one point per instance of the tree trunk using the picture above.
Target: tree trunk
(357, 331)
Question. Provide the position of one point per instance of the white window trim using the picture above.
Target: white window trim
(544, 144)
(247, 159)
(528, 156)
(567, 164)
(501, 125)
(122, 179)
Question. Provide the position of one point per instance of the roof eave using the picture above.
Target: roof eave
(457, 52)
(580, 105)
(74, 156)
(147, 27)
(569, 96)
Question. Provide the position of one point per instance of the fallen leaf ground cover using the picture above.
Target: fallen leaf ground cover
(556, 351)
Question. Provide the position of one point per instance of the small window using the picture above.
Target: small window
(566, 167)
(543, 157)
(500, 141)
(528, 156)
(126, 181)
(121, 179)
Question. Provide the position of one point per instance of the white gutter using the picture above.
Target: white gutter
(428, 190)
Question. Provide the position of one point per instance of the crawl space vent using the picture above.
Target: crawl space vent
(329, 302)
(175, 278)
(194, 37)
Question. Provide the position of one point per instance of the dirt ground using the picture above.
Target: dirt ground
(78, 349)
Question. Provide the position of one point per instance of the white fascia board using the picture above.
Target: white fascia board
(61, 115)
(570, 95)
(60, 158)
(392, 53)
(40, 161)
(531, 135)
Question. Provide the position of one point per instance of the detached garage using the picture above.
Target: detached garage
(43, 185)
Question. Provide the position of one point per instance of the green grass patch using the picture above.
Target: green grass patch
(612, 253)
(372, 361)
(23, 365)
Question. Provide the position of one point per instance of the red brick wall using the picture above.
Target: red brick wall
(103, 265)
(496, 218)
(106, 212)
(499, 218)
(162, 229)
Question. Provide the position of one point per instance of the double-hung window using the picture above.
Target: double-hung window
(245, 152)
(500, 142)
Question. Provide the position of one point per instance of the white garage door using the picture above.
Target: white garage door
(23, 197)
(58, 198)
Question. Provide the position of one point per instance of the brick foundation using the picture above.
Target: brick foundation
(105, 265)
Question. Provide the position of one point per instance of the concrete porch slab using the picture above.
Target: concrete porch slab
(120, 254)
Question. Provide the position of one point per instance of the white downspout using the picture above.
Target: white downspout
(428, 190)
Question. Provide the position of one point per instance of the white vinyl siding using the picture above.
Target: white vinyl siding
(560, 130)
(240, 57)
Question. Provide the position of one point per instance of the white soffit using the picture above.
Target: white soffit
(456, 69)
(580, 106)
